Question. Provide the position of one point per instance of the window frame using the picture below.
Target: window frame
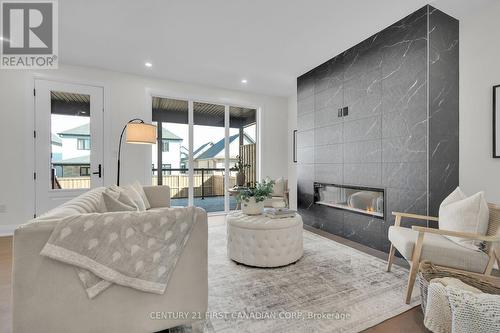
(82, 143)
(165, 143)
(87, 174)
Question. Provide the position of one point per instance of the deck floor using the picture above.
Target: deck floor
(210, 204)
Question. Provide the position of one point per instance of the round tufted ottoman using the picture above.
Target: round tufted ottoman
(260, 241)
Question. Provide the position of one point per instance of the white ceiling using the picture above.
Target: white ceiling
(219, 42)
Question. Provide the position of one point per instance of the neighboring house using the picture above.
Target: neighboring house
(203, 148)
(75, 142)
(72, 158)
(214, 156)
(56, 150)
(73, 167)
(200, 150)
(171, 151)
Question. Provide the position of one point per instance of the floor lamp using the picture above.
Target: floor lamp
(138, 132)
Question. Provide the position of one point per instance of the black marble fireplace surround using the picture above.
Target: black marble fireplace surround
(383, 114)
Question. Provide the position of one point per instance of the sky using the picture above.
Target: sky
(61, 123)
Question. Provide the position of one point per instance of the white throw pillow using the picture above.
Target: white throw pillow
(138, 187)
(464, 214)
(279, 187)
(113, 204)
(132, 194)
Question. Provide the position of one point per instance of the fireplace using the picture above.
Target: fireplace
(360, 200)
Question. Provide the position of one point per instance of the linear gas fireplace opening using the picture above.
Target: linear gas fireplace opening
(362, 200)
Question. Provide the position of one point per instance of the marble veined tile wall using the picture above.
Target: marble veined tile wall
(401, 132)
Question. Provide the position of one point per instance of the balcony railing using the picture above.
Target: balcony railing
(207, 182)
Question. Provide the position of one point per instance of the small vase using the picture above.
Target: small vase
(240, 178)
(251, 207)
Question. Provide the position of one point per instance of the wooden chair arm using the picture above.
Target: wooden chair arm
(415, 216)
(399, 215)
(469, 235)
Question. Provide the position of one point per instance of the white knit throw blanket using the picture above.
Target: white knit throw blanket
(133, 249)
(478, 313)
(453, 306)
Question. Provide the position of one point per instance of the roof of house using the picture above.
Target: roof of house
(75, 160)
(55, 139)
(83, 130)
(202, 147)
(219, 146)
(167, 135)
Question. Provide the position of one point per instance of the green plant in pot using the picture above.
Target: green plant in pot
(252, 199)
(240, 167)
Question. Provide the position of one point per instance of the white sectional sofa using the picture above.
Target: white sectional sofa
(48, 297)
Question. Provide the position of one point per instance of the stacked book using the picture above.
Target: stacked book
(279, 213)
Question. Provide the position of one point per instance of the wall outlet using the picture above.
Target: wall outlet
(3, 208)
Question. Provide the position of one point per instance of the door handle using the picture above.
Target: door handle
(98, 172)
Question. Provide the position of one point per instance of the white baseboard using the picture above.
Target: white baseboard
(7, 230)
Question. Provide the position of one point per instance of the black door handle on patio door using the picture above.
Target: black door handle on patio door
(99, 169)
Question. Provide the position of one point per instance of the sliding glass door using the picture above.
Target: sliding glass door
(243, 145)
(198, 145)
(170, 154)
(209, 156)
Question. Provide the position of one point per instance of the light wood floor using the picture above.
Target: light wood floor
(408, 322)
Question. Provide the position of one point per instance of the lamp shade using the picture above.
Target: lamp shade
(141, 133)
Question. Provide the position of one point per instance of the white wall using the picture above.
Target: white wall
(126, 99)
(479, 72)
(292, 167)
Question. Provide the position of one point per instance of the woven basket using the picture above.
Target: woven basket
(427, 272)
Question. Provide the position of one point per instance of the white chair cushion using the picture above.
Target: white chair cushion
(464, 214)
(438, 249)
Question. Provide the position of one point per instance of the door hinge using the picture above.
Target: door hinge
(34, 175)
(34, 216)
(34, 92)
(34, 134)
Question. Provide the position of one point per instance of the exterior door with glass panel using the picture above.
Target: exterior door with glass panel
(68, 141)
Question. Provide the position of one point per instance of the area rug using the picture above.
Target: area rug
(332, 288)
